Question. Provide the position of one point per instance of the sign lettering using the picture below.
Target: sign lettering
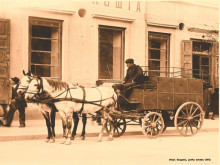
(129, 5)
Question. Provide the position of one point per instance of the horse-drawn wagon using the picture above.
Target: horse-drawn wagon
(159, 103)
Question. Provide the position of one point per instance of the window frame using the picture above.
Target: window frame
(203, 54)
(167, 61)
(122, 30)
(53, 23)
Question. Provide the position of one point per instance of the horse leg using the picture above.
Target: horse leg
(52, 117)
(64, 122)
(84, 121)
(104, 125)
(69, 125)
(76, 122)
(111, 132)
(46, 117)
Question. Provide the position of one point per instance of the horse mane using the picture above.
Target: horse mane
(57, 84)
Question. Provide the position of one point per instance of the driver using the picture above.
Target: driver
(133, 77)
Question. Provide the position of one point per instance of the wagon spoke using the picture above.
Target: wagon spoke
(196, 115)
(120, 128)
(183, 113)
(194, 125)
(151, 133)
(191, 109)
(191, 127)
(117, 130)
(154, 131)
(183, 126)
(158, 123)
(157, 119)
(150, 118)
(186, 128)
(187, 111)
(154, 117)
(147, 129)
(195, 111)
(197, 120)
(182, 122)
(182, 118)
(118, 120)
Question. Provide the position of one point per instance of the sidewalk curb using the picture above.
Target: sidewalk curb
(58, 136)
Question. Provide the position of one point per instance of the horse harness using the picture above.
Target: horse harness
(55, 99)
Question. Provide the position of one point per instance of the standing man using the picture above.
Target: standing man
(17, 103)
(133, 77)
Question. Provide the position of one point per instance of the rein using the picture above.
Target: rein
(55, 99)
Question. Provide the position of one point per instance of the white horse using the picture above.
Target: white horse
(69, 98)
(48, 110)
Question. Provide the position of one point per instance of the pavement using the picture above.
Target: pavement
(36, 129)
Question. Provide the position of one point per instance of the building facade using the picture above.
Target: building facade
(182, 40)
(81, 42)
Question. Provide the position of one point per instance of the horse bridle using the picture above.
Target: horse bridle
(39, 88)
(25, 87)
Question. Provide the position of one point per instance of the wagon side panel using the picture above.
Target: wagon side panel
(180, 92)
(196, 91)
(165, 93)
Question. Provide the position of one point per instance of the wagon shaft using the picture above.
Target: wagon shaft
(126, 115)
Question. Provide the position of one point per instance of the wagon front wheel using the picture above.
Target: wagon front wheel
(152, 124)
(189, 118)
(119, 125)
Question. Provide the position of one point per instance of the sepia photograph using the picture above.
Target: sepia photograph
(87, 82)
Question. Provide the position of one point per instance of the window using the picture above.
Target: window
(158, 54)
(45, 47)
(111, 53)
(201, 60)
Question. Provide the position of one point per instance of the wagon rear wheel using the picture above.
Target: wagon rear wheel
(152, 124)
(119, 125)
(189, 118)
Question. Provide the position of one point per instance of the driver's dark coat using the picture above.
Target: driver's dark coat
(135, 74)
(19, 101)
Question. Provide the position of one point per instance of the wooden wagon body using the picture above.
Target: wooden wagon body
(164, 93)
(162, 102)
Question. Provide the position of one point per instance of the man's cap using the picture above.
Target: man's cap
(15, 79)
(130, 60)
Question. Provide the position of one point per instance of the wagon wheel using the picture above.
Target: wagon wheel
(152, 124)
(189, 118)
(119, 126)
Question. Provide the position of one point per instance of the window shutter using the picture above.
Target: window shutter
(4, 60)
(215, 65)
(186, 59)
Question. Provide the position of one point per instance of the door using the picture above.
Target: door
(4, 60)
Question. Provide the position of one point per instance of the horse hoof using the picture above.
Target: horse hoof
(47, 140)
(110, 138)
(82, 137)
(63, 141)
(99, 140)
(68, 142)
(52, 140)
